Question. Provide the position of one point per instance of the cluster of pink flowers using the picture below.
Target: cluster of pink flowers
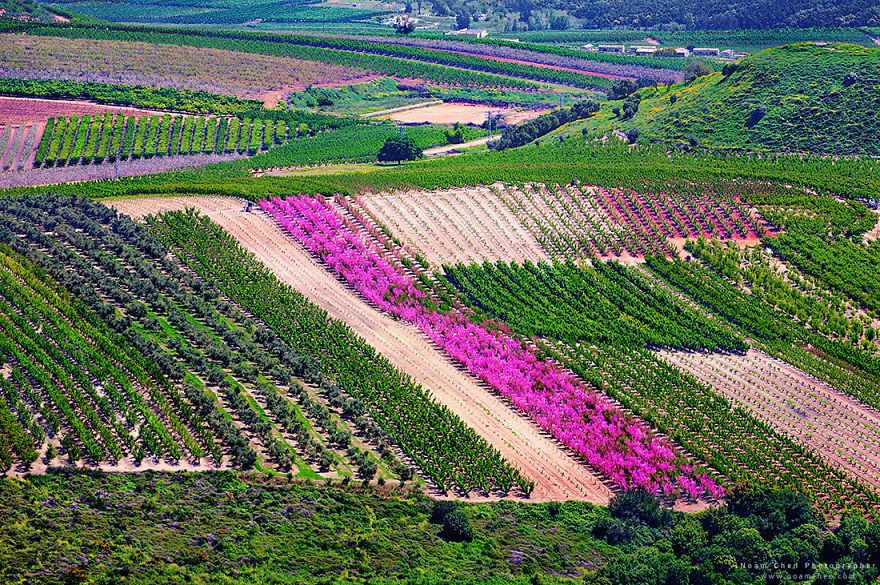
(617, 445)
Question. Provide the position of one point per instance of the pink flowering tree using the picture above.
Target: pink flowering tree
(619, 446)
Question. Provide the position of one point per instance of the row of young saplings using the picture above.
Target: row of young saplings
(111, 137)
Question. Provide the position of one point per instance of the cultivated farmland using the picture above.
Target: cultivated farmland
(136, 63)
(16, 110)
(179, 377)
(456, 226)
(251, 333)
(841, 429)
(18, 145)
(72, 141)
(555, 472)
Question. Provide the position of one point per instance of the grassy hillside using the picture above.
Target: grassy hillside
(22, 10)
(800, 97)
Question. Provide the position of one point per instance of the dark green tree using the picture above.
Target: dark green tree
(398, 149)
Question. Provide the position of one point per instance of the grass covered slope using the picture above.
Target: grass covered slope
(800, 97)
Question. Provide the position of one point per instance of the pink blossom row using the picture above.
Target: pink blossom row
(587, 422)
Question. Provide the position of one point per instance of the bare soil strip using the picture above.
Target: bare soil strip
(454, 148)
(874, 234)
(456, 226)
(31, 177)
(450, 113)
(19, 110)
(842, 430)
(557, 475)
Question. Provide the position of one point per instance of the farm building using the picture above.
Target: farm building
(706, 52)
(682, 53)
(642, 50)
(612, 48)
(469, 32)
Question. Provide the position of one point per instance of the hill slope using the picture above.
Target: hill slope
(801, 97)
(726, 14)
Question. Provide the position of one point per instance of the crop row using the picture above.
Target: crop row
(575, 221)
(219, 366)
(59, 359)
(848, 368)
(783, 286)
(841, 264)
(439, 67)
(656, 68)
(451, 454)
(727, 437)
(109, 137)
(618, 446)
(573, 304)
(552, 305)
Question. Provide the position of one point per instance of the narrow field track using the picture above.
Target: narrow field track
(557, 474)
(842, 430)
(456, 226)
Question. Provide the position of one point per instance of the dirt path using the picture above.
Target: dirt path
(402, 109)
(557, 475)
(839, 428)
(449, 148)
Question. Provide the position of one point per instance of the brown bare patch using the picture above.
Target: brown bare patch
(451, 113)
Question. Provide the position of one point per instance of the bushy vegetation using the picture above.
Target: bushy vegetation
(526, 132)
(215, 526)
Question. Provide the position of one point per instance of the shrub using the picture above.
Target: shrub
(399, 148)
(456, 528)
(695, 70)
(441, 510)
(622, 88)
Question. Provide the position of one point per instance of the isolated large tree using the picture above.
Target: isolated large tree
(399, 148)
